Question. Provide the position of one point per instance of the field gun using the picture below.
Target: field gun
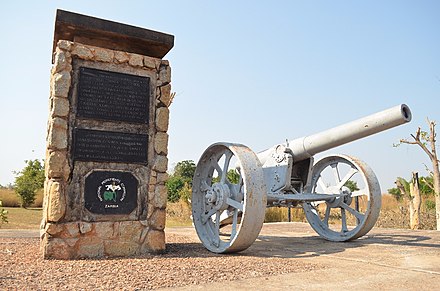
(340, 194)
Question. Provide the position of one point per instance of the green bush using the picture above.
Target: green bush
(3, 215)
(28, 181)
(174, 185)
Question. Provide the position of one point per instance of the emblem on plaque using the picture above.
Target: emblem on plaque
(110, 192)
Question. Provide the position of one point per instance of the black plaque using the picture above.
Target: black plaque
(109, 146)
(106, 95)
(110, 192)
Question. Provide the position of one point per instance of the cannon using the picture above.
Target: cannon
(340, 194)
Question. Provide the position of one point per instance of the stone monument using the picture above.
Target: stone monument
(107, 141)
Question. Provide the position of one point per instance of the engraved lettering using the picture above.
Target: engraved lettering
(106, 95)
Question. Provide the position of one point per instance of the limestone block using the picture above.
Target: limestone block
(164, 75)
(64, 45)
(157, 219)
(57, 138)
(71, 242)
(165, 95)
(153, 179)
(155, 240)
(72, 229)
(118, 248)
(103, 55)
(85, 227)
(61, 84)
(162, 118)
(82, 51)
(121, 57)
(53, 228)
(60, 107)
(57, 165)
(90, 247)
(62, 61)
(57, 202)
(143, 235)
(161, 164)
(150, 62)
(56, 248)
(136, 60)
(162, 178)
(161, 143)
(105, 230)
(130, 230)
(150, 210)
(160, 196)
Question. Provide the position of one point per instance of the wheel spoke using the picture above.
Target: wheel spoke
(235, 204)
(336, 172)
(357, 214)
(321, 183)
(218, 169)
(204, 186)
(356, 207)
(224, 174)
(206, 217)
(234, 224)
(358, 193)
(327, 215)
(344, 220)
(347, 177)
(217, 229)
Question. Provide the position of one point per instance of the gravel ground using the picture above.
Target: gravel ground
(186, 262)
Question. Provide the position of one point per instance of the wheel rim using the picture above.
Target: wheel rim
(351, 215)
(228, 210)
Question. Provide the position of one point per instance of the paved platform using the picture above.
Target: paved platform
(385, 259)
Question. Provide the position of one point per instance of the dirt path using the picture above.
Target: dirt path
(285, 255)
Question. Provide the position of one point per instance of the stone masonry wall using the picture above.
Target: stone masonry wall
(66, 235)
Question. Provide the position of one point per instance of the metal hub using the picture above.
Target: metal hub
(344, 198)
(217, 196)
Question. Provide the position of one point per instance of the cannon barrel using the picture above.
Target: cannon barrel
(306, 147)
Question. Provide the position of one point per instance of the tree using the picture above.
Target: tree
(352, 185)
(179, 183)
(174, 186)
(185, 170)
(410, 191)
(28, 181)
(426, 141)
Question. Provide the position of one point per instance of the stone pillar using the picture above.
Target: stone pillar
(107, 140)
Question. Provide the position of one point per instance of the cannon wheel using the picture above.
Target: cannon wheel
(228, 198)
(351, 215)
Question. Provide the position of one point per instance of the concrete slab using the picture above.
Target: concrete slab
(389, 259)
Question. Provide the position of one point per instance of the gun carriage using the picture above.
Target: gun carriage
(232, 185)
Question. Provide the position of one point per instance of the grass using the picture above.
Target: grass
(10, 199)
(394, 214)
(178, 214)
(20, 218)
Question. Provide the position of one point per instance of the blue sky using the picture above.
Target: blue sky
(251, 72)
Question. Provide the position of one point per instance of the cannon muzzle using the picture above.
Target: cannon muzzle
(306, 147)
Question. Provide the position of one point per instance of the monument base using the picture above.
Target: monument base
(75, 240)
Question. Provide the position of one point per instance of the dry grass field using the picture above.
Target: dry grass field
(394, 214)
(10, 199)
